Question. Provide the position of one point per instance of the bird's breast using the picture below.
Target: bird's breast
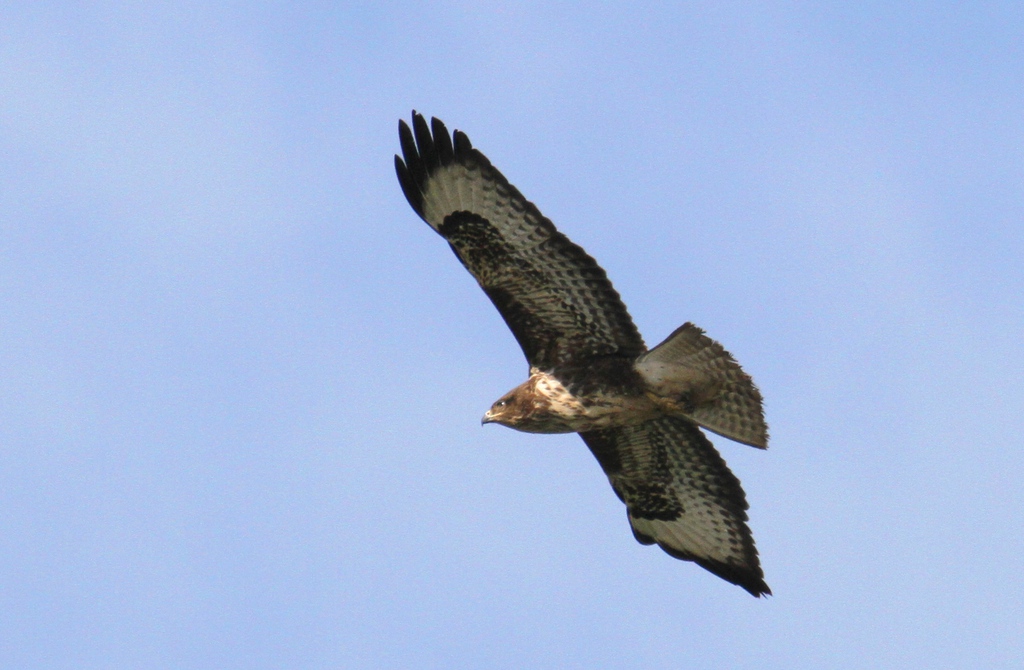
(600, 407)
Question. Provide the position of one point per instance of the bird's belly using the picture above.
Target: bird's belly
(609, 411)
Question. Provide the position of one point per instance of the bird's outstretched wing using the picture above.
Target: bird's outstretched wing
(556, 300)
(680, 494)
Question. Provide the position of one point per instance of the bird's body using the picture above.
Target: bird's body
(638, 410)
(561, 402)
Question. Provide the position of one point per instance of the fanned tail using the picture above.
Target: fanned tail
(692, 375)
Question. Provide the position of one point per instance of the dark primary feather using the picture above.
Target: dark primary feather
(680, 494)
(556, 300)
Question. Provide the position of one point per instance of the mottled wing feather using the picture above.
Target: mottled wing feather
(680, 494)
(557, 301)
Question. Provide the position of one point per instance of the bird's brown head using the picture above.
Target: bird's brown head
(510, 409)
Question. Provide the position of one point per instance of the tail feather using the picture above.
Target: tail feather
(694, 376)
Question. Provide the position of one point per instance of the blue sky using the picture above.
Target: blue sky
(242, 382)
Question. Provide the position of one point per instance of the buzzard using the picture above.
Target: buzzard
(639, 411)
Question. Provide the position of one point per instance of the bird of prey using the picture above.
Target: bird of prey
(639, 411)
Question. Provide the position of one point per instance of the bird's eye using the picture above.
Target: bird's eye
(501, 403)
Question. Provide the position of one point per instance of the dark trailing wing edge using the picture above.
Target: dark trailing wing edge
(556, 300)
(680, 494)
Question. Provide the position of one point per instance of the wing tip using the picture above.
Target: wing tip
(430, 143)
(748, 577)
(462, 144)
(409, 188)
(425, 148)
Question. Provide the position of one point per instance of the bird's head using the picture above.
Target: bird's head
(508, 410)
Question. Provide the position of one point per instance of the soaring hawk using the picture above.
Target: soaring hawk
(638, 410)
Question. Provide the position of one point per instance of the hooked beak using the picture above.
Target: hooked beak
(487, 418)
